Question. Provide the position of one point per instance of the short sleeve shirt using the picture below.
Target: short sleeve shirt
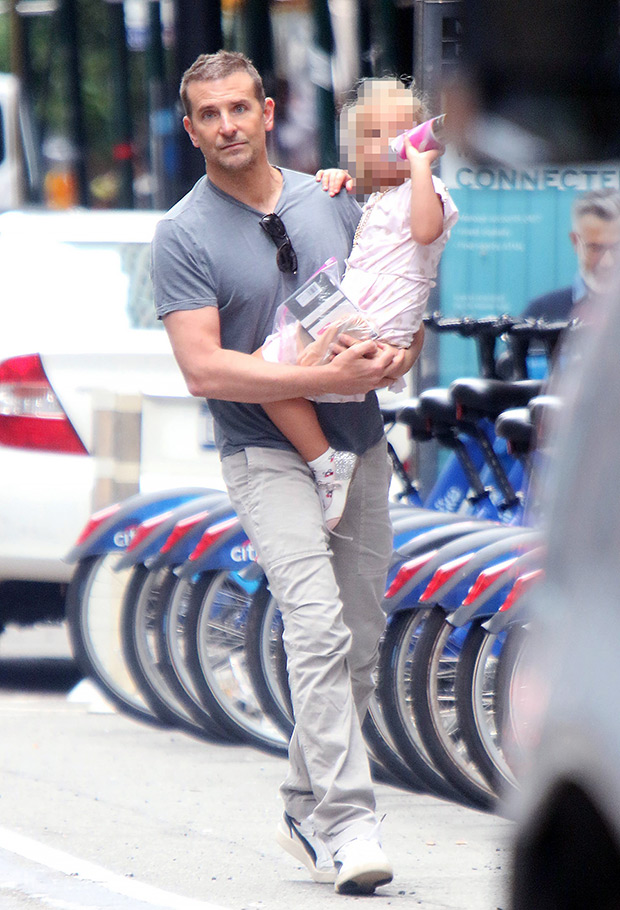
(209, 250)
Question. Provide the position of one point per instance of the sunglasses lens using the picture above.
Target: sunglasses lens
(274, 227)
(285, 257)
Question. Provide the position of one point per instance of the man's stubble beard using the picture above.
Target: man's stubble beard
(231, 164)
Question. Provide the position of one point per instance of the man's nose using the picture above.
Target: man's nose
(609, 258)
(227, 124)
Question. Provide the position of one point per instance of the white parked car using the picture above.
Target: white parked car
(77, 328)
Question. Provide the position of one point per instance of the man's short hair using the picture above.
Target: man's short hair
(603, 204)
(208, 67)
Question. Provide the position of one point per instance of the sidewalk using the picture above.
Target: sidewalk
(197, 819)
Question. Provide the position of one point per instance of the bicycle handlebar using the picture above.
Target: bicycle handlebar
(494, 326)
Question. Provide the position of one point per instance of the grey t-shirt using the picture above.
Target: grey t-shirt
(209, 250)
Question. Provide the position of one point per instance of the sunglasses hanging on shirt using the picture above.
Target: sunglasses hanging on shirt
(286, 257)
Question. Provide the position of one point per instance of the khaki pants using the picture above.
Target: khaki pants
(329, 590)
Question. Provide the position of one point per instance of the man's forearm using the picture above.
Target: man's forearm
(212, 371)
(233, 376)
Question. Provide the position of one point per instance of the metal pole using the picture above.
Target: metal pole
(16, 34)
(435, 44)
(198, 31)
(431, 59)
(123, 127)
(259, 40)
(70, 32)
(159, 116)
(321, 75)
(387, 28)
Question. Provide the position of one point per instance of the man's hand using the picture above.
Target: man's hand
(333, 179)
(359, 366)
(402, 359)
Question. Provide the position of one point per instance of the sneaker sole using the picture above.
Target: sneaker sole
(363, 880)
(294, 848)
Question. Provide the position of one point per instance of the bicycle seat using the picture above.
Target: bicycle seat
(437, 406)
(515, 426)
(489, 397)
(411, 416)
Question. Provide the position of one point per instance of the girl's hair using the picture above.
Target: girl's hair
(208, 67)
(368, 89)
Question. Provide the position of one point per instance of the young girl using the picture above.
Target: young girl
(396, 251)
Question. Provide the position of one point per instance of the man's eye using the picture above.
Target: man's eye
(240, 108)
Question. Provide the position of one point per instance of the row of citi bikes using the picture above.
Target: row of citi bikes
(171, 616)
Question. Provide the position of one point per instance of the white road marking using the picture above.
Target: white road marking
(77, 868)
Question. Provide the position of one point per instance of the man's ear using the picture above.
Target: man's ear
(574, 239)
(268, 114)
(187, 124)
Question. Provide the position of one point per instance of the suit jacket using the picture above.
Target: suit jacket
(554, 306)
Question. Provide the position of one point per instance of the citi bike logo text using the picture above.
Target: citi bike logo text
(244, 552)
(123, 538)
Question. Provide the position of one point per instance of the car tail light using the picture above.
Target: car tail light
(31, 417)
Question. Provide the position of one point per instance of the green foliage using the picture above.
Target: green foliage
(46, 64)
(5, 64)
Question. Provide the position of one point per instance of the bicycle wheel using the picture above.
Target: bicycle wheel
(433, 680)
(513, 695)
(382, 749)
(140, 624)
(171, 644)
(266, 659)
(476, 687)
(94, 603)
(215, 631)
(394, 691)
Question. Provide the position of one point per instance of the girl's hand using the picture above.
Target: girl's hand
(397, 367)
(319, 350)
(333, 179)
(414, 156)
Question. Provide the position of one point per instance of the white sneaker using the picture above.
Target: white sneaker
(333, 486)
(362, 866)
(302, 841)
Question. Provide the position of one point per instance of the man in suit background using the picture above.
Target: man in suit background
(595, 237)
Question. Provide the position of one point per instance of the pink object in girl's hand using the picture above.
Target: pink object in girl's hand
(424, 137)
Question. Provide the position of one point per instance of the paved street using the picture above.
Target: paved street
(100, 811)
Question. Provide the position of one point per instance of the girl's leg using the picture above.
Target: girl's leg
(297, 419)
(333, 471)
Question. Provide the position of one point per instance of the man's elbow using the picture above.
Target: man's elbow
(196, 389)
(197, 385)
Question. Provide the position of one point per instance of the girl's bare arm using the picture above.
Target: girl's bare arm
(426, 205)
